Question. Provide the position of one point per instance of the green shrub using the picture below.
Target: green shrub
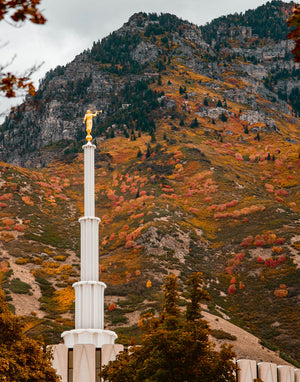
(18, 286)
(222, 335)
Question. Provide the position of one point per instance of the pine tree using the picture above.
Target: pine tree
(148, 152)
(197, 294)
(175, 347)
(223, 117)
(195, 123)
(153, 138)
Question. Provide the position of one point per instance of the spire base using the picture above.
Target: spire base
(97, 337)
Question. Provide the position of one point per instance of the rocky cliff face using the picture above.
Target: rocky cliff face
(260, 68)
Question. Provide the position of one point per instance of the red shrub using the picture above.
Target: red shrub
(247, 241)
(232, 289)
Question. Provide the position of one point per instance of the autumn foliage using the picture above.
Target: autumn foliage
(21, 359)
(19, 11)
(294, 21)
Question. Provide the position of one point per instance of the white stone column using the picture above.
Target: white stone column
(267, 371)
(89, 256)
(60, 361)
(246, 370)
(89, 307)
(84, 363)
(285, 373)
(89, 179)
(110, 352)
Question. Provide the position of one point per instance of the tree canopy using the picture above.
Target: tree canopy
(17, 11)
(175, 346)
(21, 359)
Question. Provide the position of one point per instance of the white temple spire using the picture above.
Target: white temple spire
(89, 292)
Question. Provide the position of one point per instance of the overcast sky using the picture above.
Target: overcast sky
(73, 25)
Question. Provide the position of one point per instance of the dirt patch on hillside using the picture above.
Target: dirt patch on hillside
(24, 303)
(246, 345)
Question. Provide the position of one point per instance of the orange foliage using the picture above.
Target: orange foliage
(8, 221)
(237, 213)
(6, 196)
(111, 307)
(282, 292)
(27, 200)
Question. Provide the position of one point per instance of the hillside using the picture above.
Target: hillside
(197, 169)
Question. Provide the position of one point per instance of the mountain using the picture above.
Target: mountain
(197, 169)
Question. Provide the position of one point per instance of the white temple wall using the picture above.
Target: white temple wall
(84, 365)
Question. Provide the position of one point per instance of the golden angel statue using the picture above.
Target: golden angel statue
(88, 118)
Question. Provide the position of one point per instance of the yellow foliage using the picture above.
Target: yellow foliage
(64, 298)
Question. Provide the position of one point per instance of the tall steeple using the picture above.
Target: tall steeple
(89, 291)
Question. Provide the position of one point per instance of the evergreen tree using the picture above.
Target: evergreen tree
(153, 138)
(195, 123)
(219, 103)
(148, 152)
(174, 347)
(223, 117)
(182, 89)
(197, 294)
(205, 102)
